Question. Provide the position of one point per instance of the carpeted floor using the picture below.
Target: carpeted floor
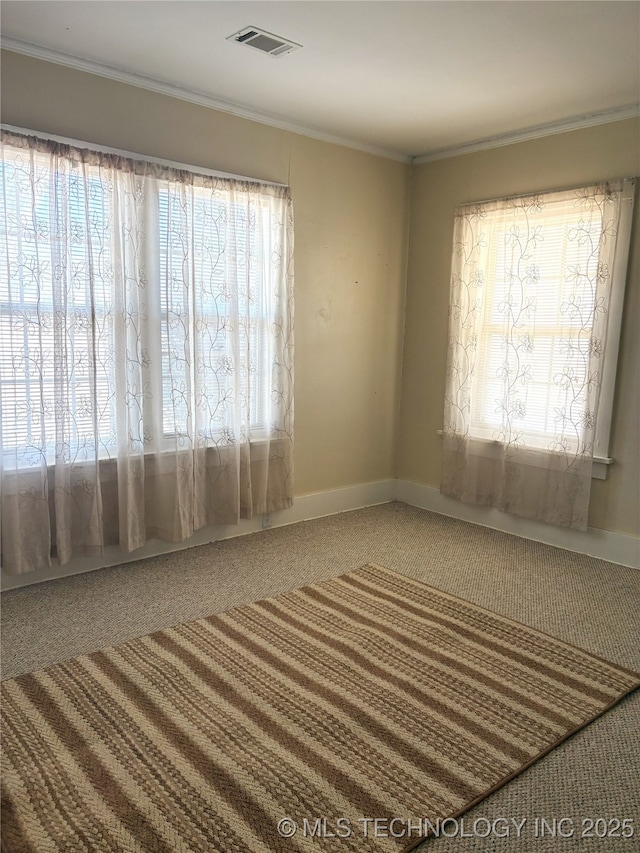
(584, 601)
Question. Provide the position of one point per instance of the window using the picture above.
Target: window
(536, 265)
(29, 318)
(215, 218)
(210, 303)
(146, 351)
(537, 289)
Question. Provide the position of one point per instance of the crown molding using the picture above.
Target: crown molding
(194, 97)
(204, 100)
(577, 123)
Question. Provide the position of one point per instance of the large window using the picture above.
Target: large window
(146, 350)
(196, 311)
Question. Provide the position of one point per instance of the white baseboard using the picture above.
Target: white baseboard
(305, 507)
(614, 547)
(604, 544)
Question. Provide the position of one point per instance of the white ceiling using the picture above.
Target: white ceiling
(408, 78)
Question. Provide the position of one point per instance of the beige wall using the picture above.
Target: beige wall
(351, 240)
(607, 151)
(350, 248)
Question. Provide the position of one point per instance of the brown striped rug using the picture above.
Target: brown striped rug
(291, 724)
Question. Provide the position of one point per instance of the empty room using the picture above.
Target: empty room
(319, 426)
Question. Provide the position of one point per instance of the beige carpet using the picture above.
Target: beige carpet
(582, 600)
(370, 707)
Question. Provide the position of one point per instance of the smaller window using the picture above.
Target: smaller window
(538, 293)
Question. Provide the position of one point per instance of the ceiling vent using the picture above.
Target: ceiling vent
(266, 42)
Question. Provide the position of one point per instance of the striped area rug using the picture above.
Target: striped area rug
(367, 708)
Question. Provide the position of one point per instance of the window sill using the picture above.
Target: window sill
(108, 465)
(600, 467)
(600, 463)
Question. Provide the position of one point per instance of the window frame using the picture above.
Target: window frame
(602, 444)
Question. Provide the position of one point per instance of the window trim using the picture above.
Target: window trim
(602, 443)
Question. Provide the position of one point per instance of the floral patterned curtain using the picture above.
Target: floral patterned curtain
(146, 352)
(528, 322)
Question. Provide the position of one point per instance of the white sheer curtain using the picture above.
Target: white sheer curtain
(146, 352)
(528, 324)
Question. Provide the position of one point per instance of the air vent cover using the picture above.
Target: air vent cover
(264, 41)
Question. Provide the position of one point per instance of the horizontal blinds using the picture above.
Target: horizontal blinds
(536, 306)
(229, 343)
(57, 304)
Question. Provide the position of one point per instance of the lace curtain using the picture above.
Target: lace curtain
(528, 322)
(146, 352)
